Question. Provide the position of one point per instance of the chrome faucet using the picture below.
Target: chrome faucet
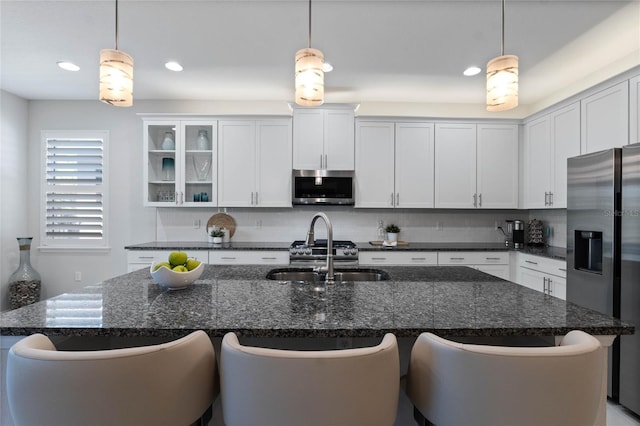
(310, 241)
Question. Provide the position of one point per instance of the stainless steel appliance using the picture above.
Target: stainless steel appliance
(518, 234)
(323, 187)
(345, 253)
(603, 253)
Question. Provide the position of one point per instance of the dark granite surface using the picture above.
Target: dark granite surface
(447, 300)
(551, 252)
(203, 245)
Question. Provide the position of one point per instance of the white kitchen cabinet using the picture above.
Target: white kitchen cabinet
(605, 119)
(497, 166)
(634, 110)
(139, 259)
(543, 274)
(255, 163)
(491, 262)
(248, 257)
(476, 166)
(182, 175)
(394, 164)
(415, 258)
(549, 141)
(324, 138)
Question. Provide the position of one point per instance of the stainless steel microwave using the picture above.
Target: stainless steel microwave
(323, 187)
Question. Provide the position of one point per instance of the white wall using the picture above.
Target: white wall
(13, 186)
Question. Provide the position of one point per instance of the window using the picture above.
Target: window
(74, 189)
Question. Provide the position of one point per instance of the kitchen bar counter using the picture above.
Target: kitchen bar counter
(558, 253)
(447, 300)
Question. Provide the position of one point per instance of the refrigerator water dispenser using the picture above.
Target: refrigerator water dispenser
(588, 251)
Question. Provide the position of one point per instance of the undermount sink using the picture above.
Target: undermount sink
(340, 275)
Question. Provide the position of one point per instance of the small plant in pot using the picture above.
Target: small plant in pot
(216, 235)
(392, 232)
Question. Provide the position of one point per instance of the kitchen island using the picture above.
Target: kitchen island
(446, 300)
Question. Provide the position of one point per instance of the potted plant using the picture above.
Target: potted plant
(392, 232)
(216, 236)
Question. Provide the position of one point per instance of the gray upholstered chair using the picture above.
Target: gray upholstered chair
(167, 384)
(273, 387)
(460, 384)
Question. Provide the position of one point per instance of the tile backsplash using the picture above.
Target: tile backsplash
(253, 224)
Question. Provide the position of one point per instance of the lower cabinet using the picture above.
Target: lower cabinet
(543, 274)
(248, 257)
(493, 263)
(138, 259)
(414, 258)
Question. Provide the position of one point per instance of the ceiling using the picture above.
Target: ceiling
(382, 51)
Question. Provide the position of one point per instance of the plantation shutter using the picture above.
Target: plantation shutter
(74, 189)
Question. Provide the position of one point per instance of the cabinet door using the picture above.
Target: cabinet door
(308, 139)
(565, 130)
(497, 162)
(500, 271)
(634, 110)
(605, 119)
(455, 166)
(557, 287)
(161, 167)
(339, 140)
(414, 164)
(532, 279)
(273, 146)
(237, 163)
(199, 173)
(375, 164)
(537, 167)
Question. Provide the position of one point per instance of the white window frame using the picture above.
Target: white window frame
(47, 243)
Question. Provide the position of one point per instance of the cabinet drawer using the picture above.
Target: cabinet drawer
(398, 258)
(147, 256)
(473, 258)
(543, 264)
(248, 257)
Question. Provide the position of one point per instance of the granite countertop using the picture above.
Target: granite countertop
(447, 300)
(558, 253)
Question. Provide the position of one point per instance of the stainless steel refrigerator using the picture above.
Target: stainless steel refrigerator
(603, 253)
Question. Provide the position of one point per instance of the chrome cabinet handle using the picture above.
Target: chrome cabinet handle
(176, 195)
(480, 200)
(268, 258)
(378, 258)
(544, 285)
(252, 198)
(551, 198)
(256, 198)
(228, 258)
(549, 289)
(418, 258)
(492, 258)
(182, 198)
(325, 161)
(321, 162)
(398, 199)
(391, 199)
(562, 269)
(531, 262)
(475, 203)
(456, 258)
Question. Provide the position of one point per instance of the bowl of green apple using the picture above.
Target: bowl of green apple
(178, 272)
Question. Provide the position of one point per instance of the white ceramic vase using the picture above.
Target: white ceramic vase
(392, 236)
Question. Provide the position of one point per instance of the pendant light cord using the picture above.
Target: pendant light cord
(502, 41)
(116, 24)
(309, 23)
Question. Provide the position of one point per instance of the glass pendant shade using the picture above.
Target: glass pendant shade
(116, 78)
(502, 83)
(309, 77)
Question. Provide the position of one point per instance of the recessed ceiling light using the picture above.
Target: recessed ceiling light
(327, 67)
(472, 71)
(173, 66)
(69, 66)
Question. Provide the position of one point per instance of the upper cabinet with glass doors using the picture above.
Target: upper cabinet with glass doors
(180, 167)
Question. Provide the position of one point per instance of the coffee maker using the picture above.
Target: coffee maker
(514, 234)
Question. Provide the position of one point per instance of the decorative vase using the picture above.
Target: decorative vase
(168, 144)
(217, 240)
(24, 284)
(168, 168)
(202, 141)
(392, 236)
(202, 164)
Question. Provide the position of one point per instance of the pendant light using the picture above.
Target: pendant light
(309, 74)
(116, 75)
(502, 79)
